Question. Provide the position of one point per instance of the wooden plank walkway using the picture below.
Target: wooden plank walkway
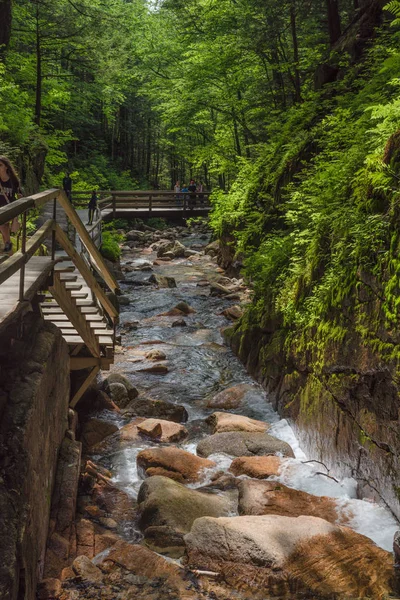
(37, 269)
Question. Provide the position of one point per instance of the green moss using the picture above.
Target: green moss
(110, 248)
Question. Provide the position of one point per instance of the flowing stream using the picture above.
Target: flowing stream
(199, 366)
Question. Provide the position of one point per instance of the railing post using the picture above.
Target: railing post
(53, 233)
(184, 204)
(113, 206)
(150, 203)
(23, 250)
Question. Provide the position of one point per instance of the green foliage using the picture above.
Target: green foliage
(157, 223)
(110, 246)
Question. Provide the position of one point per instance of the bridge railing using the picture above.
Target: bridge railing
(51, 229)
(146, 200)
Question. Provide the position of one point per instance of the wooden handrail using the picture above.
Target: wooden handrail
(86, 273)
(97, 259)
(15, 262)
(12, 210)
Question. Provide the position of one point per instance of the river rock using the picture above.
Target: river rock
(171, 248)
(221, 421)
(124, 300)
(163, 281)
(156, 355)
(120, 389)
(155, 369)
(147, 407)
(135, 236)
(87, 571)
(231, 397)
(233, 312)
(127, 434)
(274, 498)
(276, 555)
(94, 431)
(173, 507)
(143, 574)
(238, 443)
(213, 248)
(259, 467)
(174, 463)
(163, 431)
(179, 323)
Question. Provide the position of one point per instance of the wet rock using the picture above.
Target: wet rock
(237, 443)
(94, 431)
(115, 503)
(124, 300)
(163, 431)
(155, 369)
(221, 421)
(233, 312)
(182, 308)
(258, 467)
(166, 503)
(147, 407)
(173, 248)
(165, 540)
(274, 498)
(275, 555)
(179, 323)
(49, 589)
(120, 389)
(156, 355)
(173, 462)
(203, 283)
(231, 397)
(127, 434)
(213, 248)
(163, 281)
(138, 566)
(135, 236)
(188, 253)
(87, 571)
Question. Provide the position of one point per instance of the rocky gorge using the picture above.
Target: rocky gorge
(191, 485)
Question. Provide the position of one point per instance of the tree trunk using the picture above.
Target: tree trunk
(5, 24)
(334, 26)
(38, 103)
(297, 84)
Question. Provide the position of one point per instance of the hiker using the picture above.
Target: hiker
(10, 190)
(67, 186)
(92, 207)
(192, 189)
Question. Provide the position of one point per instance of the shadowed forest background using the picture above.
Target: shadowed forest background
(292, 106)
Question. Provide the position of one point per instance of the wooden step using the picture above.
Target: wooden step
(72, 277)
(60, 316)
(76, 339)
(79, 295)
(73, 286)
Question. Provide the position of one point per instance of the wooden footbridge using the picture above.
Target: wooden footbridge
(149, 203)
(63, 285)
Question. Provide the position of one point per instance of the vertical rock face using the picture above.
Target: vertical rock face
(34, 384)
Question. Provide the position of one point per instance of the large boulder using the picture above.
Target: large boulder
(274, 498)
(231, 397)
(169, 509)
(238, 443)
(120, 389)
(279, 556)
(147, 407)
(259, 467)
(221, 421)
(163, 431)
(173, 462)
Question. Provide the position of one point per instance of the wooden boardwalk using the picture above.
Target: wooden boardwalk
(62, 284)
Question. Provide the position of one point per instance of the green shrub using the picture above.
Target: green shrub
(110, 248)
(157, 223)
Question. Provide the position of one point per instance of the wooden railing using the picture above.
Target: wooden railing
(146, 200)
(51, 229)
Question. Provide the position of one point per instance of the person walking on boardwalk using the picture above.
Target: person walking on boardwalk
(192, 189)
(10, 190)
(92, 207)
(67, 186)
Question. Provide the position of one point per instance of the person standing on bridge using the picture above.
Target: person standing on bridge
(67, 186)
(92, 207)
(10, 190)
(192, 189)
